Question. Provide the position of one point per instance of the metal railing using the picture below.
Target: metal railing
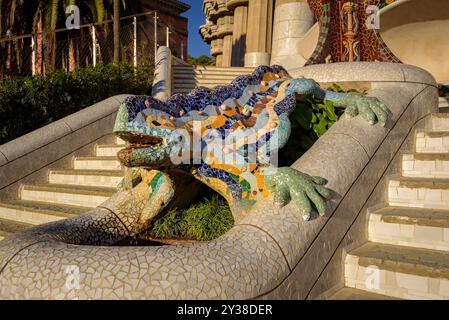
(68, 49)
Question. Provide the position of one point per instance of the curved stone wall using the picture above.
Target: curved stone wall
(415, 32)
(269, 254)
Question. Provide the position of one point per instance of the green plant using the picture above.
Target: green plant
(29, 103)
(203, 221)
(201, 60)
(311, 119)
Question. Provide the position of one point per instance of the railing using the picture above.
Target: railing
(89, 44)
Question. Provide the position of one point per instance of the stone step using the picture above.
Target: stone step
(431, 165)
(439, 122)
(182, 91)
(193, 86)
(411, 227)
(96, 163)
(419, 193)
(66, 194)
(108, 150)
(212, 68)
(356, 294)
(198, 76)
(209, 73)
(443, 102)
(198, 83)
(8, 227)
(186, 86)
(93, 178)
(402, 272)
(432, 142)
(119, 141)
(34, 212)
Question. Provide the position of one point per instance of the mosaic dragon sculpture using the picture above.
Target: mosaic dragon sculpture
(236, 130)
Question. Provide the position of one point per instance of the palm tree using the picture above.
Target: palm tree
(43, 17)
(116, 31)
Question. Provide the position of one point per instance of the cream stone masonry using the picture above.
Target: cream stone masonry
(239, 33)
(292, 20)
(432, 142)
(425, 165)
(187, 78)
(259, 34)
(422, 193)
(404, 273)
(407, 255)
(411, 227)
(218, 31)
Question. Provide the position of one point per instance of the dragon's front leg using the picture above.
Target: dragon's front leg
(287, 184)
(142, 195)
(370, 108)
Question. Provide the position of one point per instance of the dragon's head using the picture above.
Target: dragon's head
(146, 125)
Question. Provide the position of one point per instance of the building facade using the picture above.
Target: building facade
(293, 33)
(169, 14)
(254, 32)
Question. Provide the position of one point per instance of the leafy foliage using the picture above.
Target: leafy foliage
(310, 120)
(201, 60)
(29, 103)
(203, 221)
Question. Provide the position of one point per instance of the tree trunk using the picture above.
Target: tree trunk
(116, 31)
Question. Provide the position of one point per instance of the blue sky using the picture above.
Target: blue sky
(196, 18)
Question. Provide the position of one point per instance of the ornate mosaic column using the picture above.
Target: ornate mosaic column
(239, 32)
(350, 29)
(344, 34)
(259, 34)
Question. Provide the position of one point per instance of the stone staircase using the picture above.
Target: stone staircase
(407, 255)
(92, 180)
(67, 193)
(188, 77)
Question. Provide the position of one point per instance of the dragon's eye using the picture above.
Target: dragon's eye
(157, 124)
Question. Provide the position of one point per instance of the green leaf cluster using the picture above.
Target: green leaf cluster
(201, 60)
(311, 119)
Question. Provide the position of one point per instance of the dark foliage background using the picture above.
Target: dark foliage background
(27, 104)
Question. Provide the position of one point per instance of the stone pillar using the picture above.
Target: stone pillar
(217, 51)
(258, 41)
(219, 60)
(227, 51)
(240, 9)
(292, 20)
(225, 27)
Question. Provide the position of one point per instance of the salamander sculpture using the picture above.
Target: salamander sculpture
(227, 138)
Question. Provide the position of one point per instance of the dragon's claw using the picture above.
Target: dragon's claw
(370, 108)
(287, 184)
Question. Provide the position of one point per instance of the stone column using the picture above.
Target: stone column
(217, 51)
(258, 41)
(240, 9)
(292, 20)
(225, 27)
